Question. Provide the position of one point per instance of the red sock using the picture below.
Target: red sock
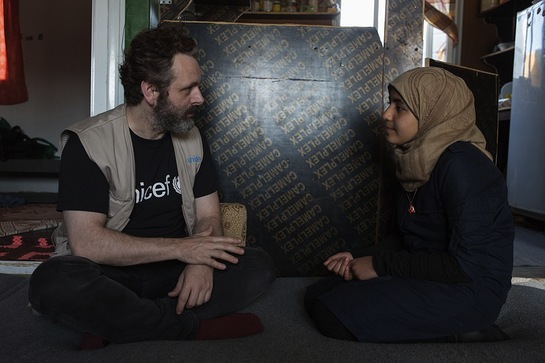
(232, 326)
(90, 341)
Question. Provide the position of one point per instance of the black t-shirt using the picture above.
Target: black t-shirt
(157, 211)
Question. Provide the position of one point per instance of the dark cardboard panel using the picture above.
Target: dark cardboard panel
(404, 37)
(292, 116)
(402, 51)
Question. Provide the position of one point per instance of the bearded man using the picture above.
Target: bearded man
(140, 254)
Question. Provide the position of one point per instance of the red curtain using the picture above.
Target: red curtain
(13, 88)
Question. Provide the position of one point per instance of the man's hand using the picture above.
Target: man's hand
(205, 249)
(201, 251)
(194, 287)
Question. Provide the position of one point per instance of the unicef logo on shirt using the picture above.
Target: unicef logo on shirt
(158, 189)
(194, 159)
(176, 185)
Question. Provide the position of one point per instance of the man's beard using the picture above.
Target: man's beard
(170, 118)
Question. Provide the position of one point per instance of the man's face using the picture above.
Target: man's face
(175, 108)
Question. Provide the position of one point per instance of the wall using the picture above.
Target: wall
(57, 55)
(474, 47)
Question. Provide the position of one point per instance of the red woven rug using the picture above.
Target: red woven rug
(29, 246)
(25, 232)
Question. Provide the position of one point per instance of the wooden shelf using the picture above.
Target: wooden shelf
(507, 8)
(502, 61)
(503, 17)
(505, 52)
(300, 18)
(30, 167)
(504, 6)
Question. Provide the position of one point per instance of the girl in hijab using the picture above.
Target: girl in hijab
(444, 272)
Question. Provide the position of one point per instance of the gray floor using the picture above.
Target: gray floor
(529, 249)
(289, 335)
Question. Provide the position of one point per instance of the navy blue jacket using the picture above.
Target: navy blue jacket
(462, 230)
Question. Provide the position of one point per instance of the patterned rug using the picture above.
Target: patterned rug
(25, 232)
(30, 246)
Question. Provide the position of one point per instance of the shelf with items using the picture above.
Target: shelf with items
(502, 61)
(503, 17)
(506, 7)
(300, 18)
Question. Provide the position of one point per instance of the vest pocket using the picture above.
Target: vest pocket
(119, 212)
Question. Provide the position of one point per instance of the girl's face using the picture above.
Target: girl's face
(400, 124)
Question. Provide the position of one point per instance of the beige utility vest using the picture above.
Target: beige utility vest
(107, 141)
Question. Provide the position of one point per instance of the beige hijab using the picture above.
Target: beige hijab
(445, 110)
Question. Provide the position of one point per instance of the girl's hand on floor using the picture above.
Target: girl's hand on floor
(338, 263)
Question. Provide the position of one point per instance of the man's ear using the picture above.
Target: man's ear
(150, 92)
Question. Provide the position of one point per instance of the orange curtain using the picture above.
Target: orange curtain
(12, 86)
(3, 56)
(440, 14)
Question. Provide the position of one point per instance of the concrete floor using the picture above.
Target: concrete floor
(529, 248)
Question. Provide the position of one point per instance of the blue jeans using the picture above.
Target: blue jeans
(130, 303)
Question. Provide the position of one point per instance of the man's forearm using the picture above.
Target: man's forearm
(119, 249)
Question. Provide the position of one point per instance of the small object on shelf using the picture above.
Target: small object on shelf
(267, 5)
(506, 90)
(504, 101)
(504, 46)
(276, 6)
(292, 7)
(333, 7)
(488, 4)
(309, 6)
(504, 104)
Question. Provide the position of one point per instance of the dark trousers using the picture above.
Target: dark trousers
(324, 319)
(394, 309)
(127, 304)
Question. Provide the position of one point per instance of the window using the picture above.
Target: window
(438, 44)
(367, 13)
